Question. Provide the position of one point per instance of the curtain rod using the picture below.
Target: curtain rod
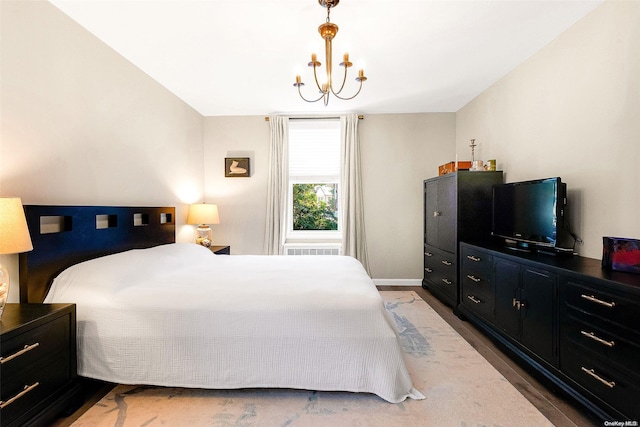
(360, 117)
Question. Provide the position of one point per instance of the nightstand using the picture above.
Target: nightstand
(221, 250)
(37, 363)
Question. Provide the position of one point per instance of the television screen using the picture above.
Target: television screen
(529, 212)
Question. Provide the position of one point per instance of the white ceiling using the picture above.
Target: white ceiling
(240, 57)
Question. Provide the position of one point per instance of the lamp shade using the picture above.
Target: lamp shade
(203, 213)
(14, 234)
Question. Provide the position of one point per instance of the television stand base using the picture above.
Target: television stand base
(532, 248)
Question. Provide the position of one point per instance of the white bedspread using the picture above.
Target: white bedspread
(178, 315)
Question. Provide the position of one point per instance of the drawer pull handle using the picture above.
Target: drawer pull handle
(447, 263)
(428, 270)
(26, 348)
(610, 384)
(428, 254)
(473, 258)
(436, 213)
(594, 337)
(447, 281)
(474, 299)
(598, 301)
(25, 390)
(474, 278)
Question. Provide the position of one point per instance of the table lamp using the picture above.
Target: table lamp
(202, 215)
(14, 238)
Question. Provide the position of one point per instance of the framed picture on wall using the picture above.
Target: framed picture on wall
(236, 167)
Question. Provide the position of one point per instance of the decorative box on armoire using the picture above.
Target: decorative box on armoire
(457, 207)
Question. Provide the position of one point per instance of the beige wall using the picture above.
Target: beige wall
(242, 202)
(398, 152)
(572, 110)
(81, 125)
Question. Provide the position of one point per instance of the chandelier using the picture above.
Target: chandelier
(328, 31)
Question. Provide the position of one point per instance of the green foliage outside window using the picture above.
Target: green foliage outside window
(315, 207)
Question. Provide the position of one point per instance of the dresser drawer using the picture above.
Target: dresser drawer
(616, 345)
(24, 392)
(440, 279)
(446, 263)
(477, 303)
(477, 263)
(22, 351)
(603, 381)
(622, 310)
(476, 284)
(38, 374)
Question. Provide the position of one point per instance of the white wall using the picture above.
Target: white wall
(81, 125)
(572, 110)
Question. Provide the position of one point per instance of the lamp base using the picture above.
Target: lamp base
(4, 287)
(203, 235)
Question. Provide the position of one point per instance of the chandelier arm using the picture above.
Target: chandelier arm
(344, 80)
(310, 100)
(351, 97)
(315, 77)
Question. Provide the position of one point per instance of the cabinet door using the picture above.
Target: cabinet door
(447, 214)
(507, 289)
(440, 213)
(431, 212)
(538, 313)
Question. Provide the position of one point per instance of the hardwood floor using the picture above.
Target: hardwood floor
(559, 408)
(93, 391)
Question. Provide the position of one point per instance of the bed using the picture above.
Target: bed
(152, 311)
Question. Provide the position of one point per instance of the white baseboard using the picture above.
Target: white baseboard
(397, 282)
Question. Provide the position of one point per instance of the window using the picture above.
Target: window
(314, 178)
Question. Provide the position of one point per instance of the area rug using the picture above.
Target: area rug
(461, 389)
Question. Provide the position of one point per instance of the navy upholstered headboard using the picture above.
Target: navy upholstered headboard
(66, 235)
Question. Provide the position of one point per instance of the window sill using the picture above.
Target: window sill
(314, 236)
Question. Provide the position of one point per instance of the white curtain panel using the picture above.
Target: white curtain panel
(277, 186)
(354, 242)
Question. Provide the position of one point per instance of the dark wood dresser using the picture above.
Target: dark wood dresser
(457, 207)
(38, 364)
(564, 316)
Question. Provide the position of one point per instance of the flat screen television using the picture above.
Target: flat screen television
(530, 214)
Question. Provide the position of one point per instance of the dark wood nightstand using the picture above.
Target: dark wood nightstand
(221, 250)
(38, 370)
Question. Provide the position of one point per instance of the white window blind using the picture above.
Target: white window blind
(314, 150)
